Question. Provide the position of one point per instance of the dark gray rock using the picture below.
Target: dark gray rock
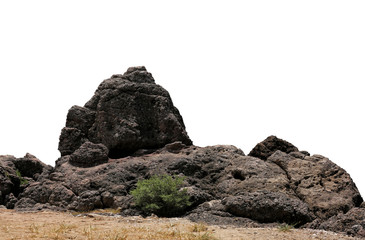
(352, 223)
(6, 184)
(197, 196)
(127, 113)
(174, 147)
(107, 199)
(268, 207)
(10, 182)
(10, 200)
(214, 212)
(125, 203)
(46, 192)
(89, 154)
(139, 75)
(70, 140)
(80, 118)
(25, 203)
(325, 187)
(249, 174)
(30, 166)
(87, 201)
(264, 149)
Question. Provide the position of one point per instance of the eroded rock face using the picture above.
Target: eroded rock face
(128, 112)
(324, 186)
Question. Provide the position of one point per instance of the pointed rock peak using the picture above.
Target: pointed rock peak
(127, 113)
(136, 74)
(134, 69)
(271, 144)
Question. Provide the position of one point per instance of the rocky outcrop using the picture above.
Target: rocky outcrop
(128, 112)
(16, 174)
(130, 131)
(247, 187)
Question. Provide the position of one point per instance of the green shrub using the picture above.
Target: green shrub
(285, 227)
(22, 180)
(161, 195)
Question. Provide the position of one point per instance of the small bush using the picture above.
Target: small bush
(161, 195)
(23, 181)
(285, 228)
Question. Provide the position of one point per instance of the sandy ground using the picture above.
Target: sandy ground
(59, 226)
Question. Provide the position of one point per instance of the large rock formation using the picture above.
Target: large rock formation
(284, 188)
(130, 130)
(128, 112)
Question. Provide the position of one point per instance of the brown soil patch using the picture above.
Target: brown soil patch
(61, 226)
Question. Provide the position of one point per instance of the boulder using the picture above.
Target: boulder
(249, 174)
(70, 140)
(268, 207)
(10, 201)
(107, 199)
(25, 203)
(89, 154)
(128, 112)
(87, 201)
(197, 196)
(271, 144)
(213, 212)
(30, 166)
(46, 193)
(325, 187)
(80, 118)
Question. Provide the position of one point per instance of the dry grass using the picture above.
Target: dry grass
(90, 226)
(65, 226)
(98, 211)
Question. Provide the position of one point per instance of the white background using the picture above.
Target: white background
(238, 71)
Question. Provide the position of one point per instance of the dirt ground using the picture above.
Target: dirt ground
(91, 226)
